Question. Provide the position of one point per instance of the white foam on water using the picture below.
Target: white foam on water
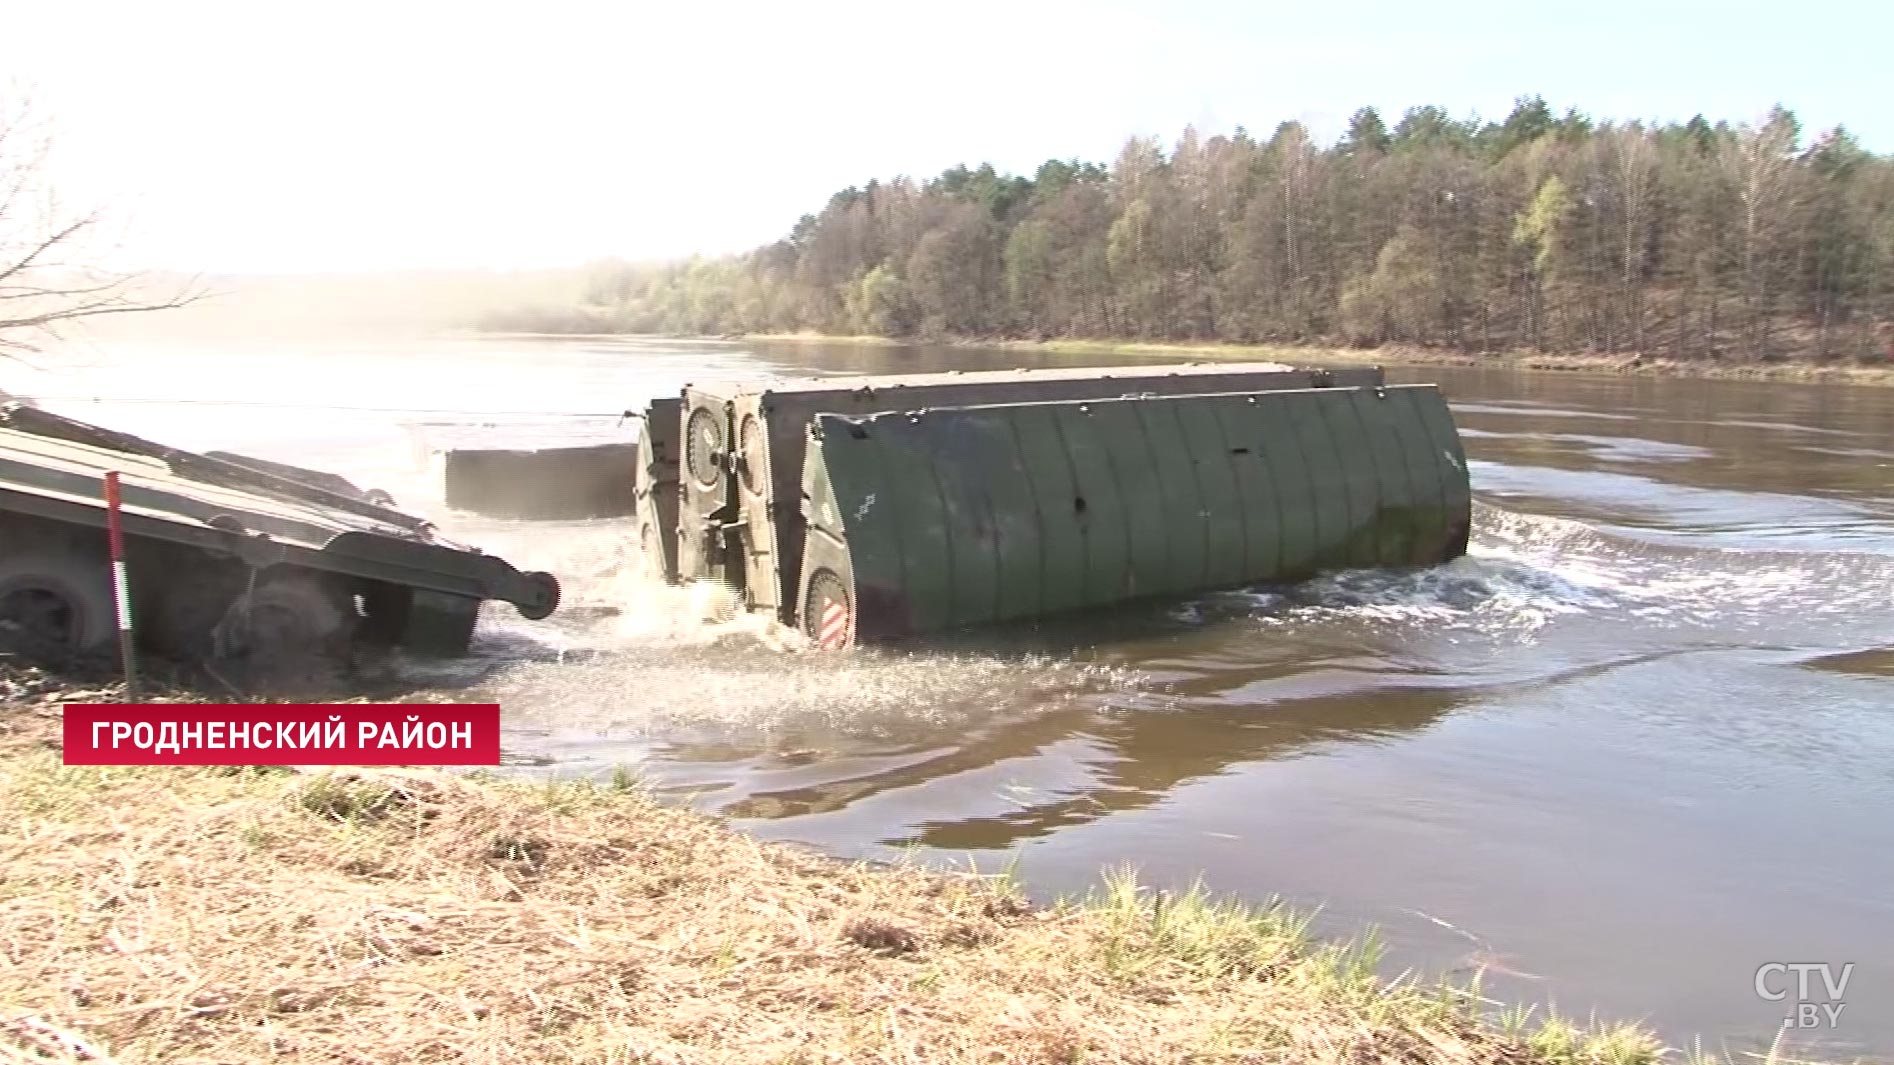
(649, 652)
(746, 690)
(1524, 573)
(628, 654)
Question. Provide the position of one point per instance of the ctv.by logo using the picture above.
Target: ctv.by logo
(1817, 988)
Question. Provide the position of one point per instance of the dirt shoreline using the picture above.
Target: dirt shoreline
(398, 915)
(1613, 365)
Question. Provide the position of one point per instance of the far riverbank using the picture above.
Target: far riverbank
(1617, 365)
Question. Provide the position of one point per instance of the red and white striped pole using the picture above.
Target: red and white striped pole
(121, 591)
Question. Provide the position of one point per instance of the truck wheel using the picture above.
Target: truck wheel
(285, 623)
(55, 604)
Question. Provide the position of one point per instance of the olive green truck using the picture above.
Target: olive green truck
(228, 559)
(863, 509)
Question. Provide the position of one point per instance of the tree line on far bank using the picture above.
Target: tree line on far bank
(1544, 232)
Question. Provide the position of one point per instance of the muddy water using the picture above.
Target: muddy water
(1637, 745)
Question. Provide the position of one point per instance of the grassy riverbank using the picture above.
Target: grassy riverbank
(1619, 365)
(400, 915)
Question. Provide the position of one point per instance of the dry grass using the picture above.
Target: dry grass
(162, 914)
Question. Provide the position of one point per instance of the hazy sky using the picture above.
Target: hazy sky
(285, 136)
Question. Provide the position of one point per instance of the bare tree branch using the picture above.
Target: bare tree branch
(51, 241)
(21, 292)
(48, 271)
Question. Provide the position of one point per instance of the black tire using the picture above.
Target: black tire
(290, 621)
(54, 602)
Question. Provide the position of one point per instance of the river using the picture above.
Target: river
(1638, 745)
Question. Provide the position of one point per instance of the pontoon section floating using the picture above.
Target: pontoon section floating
(865, 509)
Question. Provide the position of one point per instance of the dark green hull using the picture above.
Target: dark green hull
(739, 448)
(923, 522)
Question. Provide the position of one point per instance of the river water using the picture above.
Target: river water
(1635, 747)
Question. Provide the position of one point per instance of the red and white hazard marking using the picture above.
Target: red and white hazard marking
(834, 631)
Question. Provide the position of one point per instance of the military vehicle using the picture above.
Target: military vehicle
(227, 557)
(873, 508)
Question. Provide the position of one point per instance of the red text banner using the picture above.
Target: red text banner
(282, 734)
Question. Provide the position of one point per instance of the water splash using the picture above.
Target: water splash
(1526, 572)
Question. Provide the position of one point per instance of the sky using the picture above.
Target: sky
(297, 137)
